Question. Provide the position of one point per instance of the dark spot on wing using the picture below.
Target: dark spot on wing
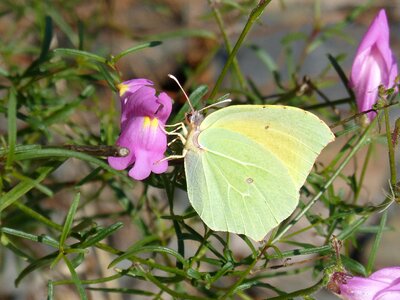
(249, 180)
(266, 126)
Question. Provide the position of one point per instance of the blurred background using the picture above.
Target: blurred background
(291, 37)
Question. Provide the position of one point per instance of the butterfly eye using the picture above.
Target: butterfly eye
(196, 118)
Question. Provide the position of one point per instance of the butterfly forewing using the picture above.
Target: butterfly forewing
(293, 135)
(248, 162)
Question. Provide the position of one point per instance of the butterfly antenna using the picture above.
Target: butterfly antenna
(186, 96)
(216, 104)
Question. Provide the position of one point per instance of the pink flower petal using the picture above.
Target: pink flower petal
(378, 31)
(131, 86)
(358, 288)
(388, 275)
(166, 102)
(390, 293)
(142, 102)
(142, 168)
(373, 65)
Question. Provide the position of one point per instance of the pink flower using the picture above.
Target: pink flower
(381, 285)
(373, 65)
(143, 117)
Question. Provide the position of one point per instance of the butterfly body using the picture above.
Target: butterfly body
(245, 164)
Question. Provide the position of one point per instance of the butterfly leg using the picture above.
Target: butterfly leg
(172, 157)
(178, 137)
(175, 132)
(173, 141)
(178, 126)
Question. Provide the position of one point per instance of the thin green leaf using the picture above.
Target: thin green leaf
(44, 261)
(36, 238)
(69, 219)
(146, 240)
(108, 77)
(342, 75)
(172, 292)
(48, 35)
(80, 54)
(75, 279)
(221, 272)
(375, 246)
(179, 274)
(78, 259)
(159, 249)
(19, 149)
(16, 249)
(40, 187)
(62, 24)
(35, 215)
(23, 187)
(316, 250)
(265, 58)
(353, 266)
(102, 234)
(60, 115)
(81, 34)
(182, 33)
(122, 291)
(91, 281)
(56, 260)
(351, 228)
(134, 49)
(12, 125)
(63, 153)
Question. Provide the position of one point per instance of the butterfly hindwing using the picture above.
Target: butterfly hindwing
(236, 191)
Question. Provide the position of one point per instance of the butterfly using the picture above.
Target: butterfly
(245, 164)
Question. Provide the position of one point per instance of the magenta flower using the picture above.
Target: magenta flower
(143, 117)
(373, 65)
(381, 285)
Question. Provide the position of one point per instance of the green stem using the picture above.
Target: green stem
(244, 274)
(363, 172)
(325, 104)
(90, 281)
(392, 162)
(149, 277)
(228, 45)
(170, 189)
(33, 214)
(304, 292)
(254, 15)
(375, 246)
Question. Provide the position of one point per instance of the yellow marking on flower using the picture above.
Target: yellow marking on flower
(154, 123)
(122, 88)
(147, 122)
